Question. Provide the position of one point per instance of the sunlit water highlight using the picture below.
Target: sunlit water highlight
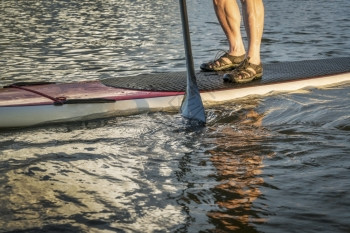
(276, 163)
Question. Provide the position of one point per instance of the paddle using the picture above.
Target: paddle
(192, 106)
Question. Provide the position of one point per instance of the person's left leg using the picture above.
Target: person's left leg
(228, 14)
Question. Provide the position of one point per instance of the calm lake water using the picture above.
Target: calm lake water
(277, 163)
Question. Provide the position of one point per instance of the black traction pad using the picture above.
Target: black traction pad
(206, 81)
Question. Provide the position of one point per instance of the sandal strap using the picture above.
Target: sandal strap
(219, 60)
(222, 62)
(245, 65)
(235, 59)
(245, 70)
(244, 73)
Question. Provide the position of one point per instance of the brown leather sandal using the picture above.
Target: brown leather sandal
(244, 73)
(220, 64)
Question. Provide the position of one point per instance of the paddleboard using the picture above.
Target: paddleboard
(29, 104)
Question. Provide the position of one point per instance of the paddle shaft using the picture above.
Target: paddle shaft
(187, 40)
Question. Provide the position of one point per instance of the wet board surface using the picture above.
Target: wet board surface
(167, 84)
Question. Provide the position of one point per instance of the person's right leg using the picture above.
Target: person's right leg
(228, 14)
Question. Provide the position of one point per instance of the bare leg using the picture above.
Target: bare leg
(228, 14)
(253, 15)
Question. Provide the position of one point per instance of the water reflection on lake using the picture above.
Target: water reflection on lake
(263, 164)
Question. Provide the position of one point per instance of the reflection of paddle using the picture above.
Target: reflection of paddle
(192, 106)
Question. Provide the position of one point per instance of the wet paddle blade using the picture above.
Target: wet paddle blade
(192, 107)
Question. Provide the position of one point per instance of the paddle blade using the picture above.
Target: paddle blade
(192, 107)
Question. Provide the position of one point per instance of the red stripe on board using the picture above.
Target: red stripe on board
(46, 94)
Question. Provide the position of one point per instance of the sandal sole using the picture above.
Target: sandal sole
(257, 76)
(225, 68)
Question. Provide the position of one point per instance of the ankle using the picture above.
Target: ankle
(236, 53)
(255, 60)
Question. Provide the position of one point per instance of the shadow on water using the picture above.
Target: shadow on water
(224, 177)
(238, 158)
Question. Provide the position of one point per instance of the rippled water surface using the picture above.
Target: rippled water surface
(277, 163)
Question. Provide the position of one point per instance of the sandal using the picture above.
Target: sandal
(244, 73)
(220, 64)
